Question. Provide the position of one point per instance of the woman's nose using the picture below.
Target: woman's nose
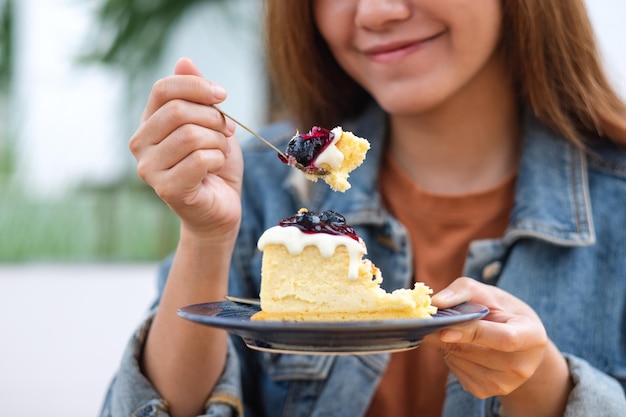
(378, 14)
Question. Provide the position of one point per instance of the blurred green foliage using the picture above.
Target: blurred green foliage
(122, 221)
(6, 43)
(126, 222)
(131, 34)
(7, 158)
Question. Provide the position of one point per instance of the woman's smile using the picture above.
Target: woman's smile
(395, 51)
(414, 56)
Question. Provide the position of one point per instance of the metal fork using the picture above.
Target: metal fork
(286, 159)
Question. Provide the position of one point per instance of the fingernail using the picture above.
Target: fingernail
(230, 125)
(451, 335)
(443, 295)
(219, 92)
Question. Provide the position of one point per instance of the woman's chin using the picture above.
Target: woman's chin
(397, 107)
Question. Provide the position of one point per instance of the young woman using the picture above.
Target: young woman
(497, 155)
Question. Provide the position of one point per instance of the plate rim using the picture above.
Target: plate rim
(215, 320)
(376, 336)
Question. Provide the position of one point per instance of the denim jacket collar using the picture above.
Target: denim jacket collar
(552, 199)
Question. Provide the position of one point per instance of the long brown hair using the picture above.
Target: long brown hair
(549, 46)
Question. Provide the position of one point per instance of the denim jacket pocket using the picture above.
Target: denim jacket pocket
(281, 367)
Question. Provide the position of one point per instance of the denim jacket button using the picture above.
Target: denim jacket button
(491, 271)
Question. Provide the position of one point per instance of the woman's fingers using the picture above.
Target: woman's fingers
(482, 380)
(172, 116)
(187, 145)
(176, 105)
(186, 84)
(507, 333)
(185, 140)
(174, 132)
(499, 341)
(190, 88)
(180, 183)
(192, 149)
(185, 66)
(491, 372)
(488, 371)
(465, 289)
(494, 355)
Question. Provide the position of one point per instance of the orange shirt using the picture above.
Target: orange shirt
(440, 229)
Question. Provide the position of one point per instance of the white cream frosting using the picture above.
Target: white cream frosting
(295, 240)
(331, 155)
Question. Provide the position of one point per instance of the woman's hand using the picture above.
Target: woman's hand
(184, 152)
(506, 354)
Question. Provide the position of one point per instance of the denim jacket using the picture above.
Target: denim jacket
(564, 253)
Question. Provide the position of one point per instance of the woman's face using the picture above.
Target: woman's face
(411, 55)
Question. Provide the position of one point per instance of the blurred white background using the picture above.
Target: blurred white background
(63, 327)
(63, 331)
(73, 121)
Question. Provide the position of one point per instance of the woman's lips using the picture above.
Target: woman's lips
(395, 51)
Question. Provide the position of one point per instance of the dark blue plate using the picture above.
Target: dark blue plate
(355, 337)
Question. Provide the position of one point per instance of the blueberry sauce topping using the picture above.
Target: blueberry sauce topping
(303, 149)
(328, 222)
